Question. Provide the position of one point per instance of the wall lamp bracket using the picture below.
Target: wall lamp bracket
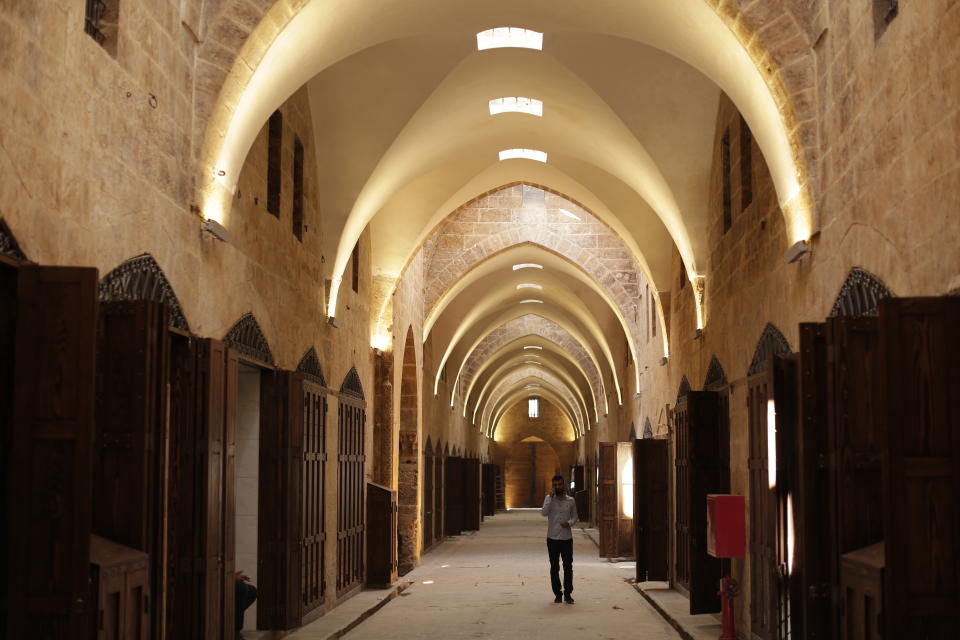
(663, 361)
(216, 229)
(332, 321)
(698, 334)
(795, 252)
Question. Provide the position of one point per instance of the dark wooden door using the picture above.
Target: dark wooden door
(784, 374)
(762, 550)
(183, 605)
(228, 544)
(351, 513)
(471, 484)
(454, 494)
(312, 470)
(817, 571)
(51, 453)
(609, 507)
(500, 487)
(651, 512)
(681, 462)
(920, 418)
(8, 326)
(439, 485)
(209, 433)
(381, 525)
(428, 496)
(705, 476)
(489, 489)
(129, 491)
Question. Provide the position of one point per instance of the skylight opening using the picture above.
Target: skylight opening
(569, 214)
(519, 104)
(533, 407)
(533, 346)
(531, 362)
(527, 265)
(531, 300)
(503, 37)
(529, 285)
(523, 154)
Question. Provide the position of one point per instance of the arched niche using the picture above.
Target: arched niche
(141, 278)
(771, 343)
(860, 295)
(309, 366)
(247, 337)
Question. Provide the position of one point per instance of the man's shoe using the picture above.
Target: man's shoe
(558, 599)
(567, 598)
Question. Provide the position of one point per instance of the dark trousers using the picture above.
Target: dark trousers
(556, 549)
(246, 595)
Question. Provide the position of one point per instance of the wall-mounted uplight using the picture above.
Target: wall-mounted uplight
(523, 154)
(519, 104)
(531, 301)
(527, 265)
(529, 285)
(569, 214)
(795, 252)
(504, 37)
(217, 230)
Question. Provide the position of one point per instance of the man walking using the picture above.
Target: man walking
(561, 513)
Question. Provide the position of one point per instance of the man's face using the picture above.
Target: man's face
(557, 485)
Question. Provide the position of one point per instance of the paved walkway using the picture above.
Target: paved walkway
(495, 584)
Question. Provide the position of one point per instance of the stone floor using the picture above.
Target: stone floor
(495, 584)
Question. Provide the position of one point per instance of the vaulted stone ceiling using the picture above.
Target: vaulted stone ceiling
(399, 94)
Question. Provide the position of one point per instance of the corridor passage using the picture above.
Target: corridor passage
(495, 584)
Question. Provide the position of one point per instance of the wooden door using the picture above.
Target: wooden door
(312, 470)
(609, 507)
(428, 497)
(351, 514)
(472, 505)
(8, 326)
(651, 512)
(228, 543)
(625, 500)
(816, 502)
(762, 551)
(381, 525)
(705, 476)
(681, 461)
(51, 454)
(920, 418)
(439, 485)
(489, 489)
(129, 492)
(183, 606)
(453, 508)
(209, 433)
(784, 375)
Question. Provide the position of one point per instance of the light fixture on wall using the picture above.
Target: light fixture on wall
(216, 229)
(795, 252)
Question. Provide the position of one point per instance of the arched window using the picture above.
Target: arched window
(859, 295)
(141, 278)
(771, 342)
(310, 367)
(246, 337)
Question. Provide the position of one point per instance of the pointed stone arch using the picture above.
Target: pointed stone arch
(860, 295)
(771, 343)
(683, 389)
(647, 428)
(351, 384)
(309, 366)
(8, 243)
(141, 278)
(716, 377)
(247, 337)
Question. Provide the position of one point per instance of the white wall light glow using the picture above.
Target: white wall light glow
(502, 37)
(529, 285)
(523, 154)
(518, 104)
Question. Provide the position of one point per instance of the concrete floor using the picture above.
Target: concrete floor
(495, 584)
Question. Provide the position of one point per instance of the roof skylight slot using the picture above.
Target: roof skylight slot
(525, 154)
(529, 285)
(518, 104)
(527, 265)
(533, 346)
(531, 300)
(502, 37)
(569, 214)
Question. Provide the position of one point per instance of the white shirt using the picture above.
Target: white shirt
(557, 510)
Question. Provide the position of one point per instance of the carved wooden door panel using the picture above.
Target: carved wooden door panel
(816, 503)
(454, 494)
(351, 516)
(471, 472)
(920, 412)
(609, 527)
(681, 462)
(51, 453)
(705, 476)
(209, 433)
(784, 375)
(129, 492)
(183, 606)
(439, 488)
(312, 539)
(428, 496)
(651, 512)
(762, 552)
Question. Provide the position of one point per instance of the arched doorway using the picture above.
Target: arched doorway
(531, 465)
(407, 521)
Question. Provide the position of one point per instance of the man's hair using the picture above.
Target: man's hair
(557, 477)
